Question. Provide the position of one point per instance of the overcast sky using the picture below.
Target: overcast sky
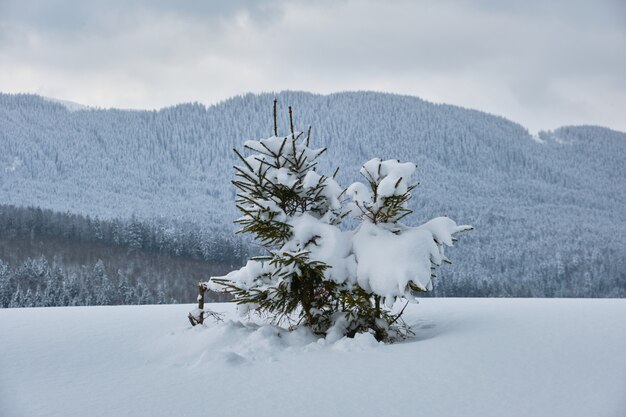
(540, 63)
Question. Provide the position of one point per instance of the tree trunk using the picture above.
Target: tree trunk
(199, 318)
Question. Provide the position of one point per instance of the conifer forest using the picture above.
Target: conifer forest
(130, 207)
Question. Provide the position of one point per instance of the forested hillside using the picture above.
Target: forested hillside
(548, 210)
(49, 258)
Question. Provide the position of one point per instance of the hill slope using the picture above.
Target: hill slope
(488, 357)
(545, 213)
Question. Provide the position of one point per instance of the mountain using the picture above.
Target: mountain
(69, 105)
(548, 210)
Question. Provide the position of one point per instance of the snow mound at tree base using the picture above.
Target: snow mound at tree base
(470, 357)
(236, 343)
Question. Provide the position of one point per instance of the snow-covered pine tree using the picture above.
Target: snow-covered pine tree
(285, 203)
(17, 299)
(335, 282)
(393, 261)
(5, 285)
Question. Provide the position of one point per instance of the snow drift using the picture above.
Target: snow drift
(470, 357)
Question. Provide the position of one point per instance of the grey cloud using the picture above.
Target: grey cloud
(517, 59)
(80, 17)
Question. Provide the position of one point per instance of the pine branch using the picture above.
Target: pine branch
(243, 159)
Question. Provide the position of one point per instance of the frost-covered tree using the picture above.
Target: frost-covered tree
(281, 196)
(31, 300)
(17, 299)
(394, 261)
(5, 285)
(315, 273)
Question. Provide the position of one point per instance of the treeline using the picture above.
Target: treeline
(63, 259)
(181, 240)
(581, 274)
(39, 283)
(74, 275)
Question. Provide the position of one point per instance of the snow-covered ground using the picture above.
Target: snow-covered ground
(470, 357)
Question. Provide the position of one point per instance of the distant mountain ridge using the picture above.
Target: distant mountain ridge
(69, 105)
(545, 213)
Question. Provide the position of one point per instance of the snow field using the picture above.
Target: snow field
(470, 357)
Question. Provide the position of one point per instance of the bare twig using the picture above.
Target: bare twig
(275, 125)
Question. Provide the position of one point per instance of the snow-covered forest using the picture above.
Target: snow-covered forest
(49, 258)
(547, 208)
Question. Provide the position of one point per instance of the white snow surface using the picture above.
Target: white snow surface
(470, 357)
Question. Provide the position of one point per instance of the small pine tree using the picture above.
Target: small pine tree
(161, 294)
(73, 290)
(105, 290)
(125, 293)
(16, 299)
(32, 301)
(5, 285)
(142, 294)
(380, 206)
(278, 186)
(335, 282)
